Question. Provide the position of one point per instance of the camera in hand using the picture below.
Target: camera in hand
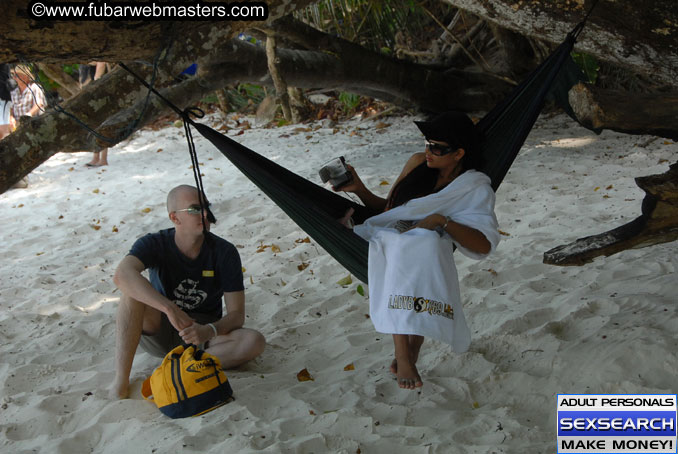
(336, 172)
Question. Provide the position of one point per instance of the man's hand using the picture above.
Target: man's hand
(179, 319)
(196, 334)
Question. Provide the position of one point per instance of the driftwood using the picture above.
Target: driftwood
(631, 113)
(657, 224)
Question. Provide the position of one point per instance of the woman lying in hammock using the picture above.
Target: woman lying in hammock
(439, 201)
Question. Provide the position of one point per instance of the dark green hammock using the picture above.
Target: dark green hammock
(316, 209)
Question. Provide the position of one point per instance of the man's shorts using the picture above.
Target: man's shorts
(161, 343)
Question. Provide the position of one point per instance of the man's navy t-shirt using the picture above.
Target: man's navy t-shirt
(196, 286)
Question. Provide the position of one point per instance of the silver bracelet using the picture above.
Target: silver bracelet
(447, 220)
(214, 328)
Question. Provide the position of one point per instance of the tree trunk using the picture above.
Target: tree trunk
(85, 40)
(640, 35)
(365, 73)
(630, 113)
(278, 81)
(657, 224)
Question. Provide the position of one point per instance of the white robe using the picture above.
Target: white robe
(413, 283)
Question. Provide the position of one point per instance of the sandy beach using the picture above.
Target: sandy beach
(538, 330)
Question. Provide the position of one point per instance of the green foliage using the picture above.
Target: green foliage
(46, 83)
(240, 96)
(210, 99)
(349, 101)
(360, 290)
(588, 64)
(373, 24)
(71, 70)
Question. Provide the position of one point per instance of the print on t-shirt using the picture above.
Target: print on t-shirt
(188, 295)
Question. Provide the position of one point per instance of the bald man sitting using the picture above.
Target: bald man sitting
(181, 303)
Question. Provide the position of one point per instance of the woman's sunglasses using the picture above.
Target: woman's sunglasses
(437, 149)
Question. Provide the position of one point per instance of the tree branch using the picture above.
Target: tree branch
(657, 224)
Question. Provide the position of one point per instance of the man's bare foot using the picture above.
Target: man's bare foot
(119, 390)
(408, 376)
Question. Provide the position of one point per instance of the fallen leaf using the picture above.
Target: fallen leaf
(146, 210)
(311, 412)
(554, 187)
(360, 290)
(20, 205)
(501, 232)
(61, 216)
(303, 266)
(39, 253)
(350, 367)
(159, 150)
(345, 281)
(115, 229)
(244, 269)
(96, 191)
(304, 375)
(381, 125)
(609, 187)
(283, 283)
(384, 183)
(303, 240)
(95, 227)
(606, 196)
(476, 405)
(597, 187)
(251, 280)
(275, 249)
(71, 169)
(492, 272)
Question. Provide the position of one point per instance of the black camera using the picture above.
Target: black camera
(336, 172)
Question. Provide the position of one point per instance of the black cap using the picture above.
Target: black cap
(454, 128)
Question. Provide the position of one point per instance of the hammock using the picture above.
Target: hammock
(316, 209)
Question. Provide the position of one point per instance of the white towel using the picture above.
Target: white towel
(413, 283)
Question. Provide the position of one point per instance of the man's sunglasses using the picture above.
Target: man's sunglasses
(195, 209)
(439, 150)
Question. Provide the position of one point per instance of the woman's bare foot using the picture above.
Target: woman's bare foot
(404, 364)
(394, 367)
(408, 376)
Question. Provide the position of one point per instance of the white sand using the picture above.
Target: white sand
(608, 327)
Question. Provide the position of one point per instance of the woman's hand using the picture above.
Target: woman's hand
(430, 222)
(355, 185)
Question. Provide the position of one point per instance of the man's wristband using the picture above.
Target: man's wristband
(447, 221)
(214, 328)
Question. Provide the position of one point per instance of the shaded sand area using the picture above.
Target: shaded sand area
(538, 330)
